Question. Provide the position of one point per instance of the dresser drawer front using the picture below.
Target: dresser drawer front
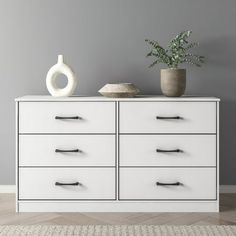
(83, 117)
(94, 183)
(141, 183)
(150, 117)
(67, 150)
(167, 150)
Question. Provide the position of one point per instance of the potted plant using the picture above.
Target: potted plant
(173, 79)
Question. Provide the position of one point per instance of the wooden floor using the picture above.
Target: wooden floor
(227, 216)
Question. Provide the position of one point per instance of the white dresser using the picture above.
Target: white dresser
(143, 154)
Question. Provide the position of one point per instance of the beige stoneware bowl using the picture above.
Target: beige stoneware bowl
(121, 90)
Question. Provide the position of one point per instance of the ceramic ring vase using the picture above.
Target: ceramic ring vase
(61, 68)
(173, 82)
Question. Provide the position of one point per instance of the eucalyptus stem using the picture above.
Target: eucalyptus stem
(176, 52)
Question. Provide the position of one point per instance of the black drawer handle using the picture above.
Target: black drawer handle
(68, 184)
(168, 117)
(174, 150)
(68, 118)
(168, 184)
(71, 150)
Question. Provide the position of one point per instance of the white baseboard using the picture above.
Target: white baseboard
(227, 188)
(7, 188)
(223, 188)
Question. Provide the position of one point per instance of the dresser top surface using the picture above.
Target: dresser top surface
(44, 98)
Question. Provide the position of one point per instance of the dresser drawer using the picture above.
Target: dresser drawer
(141, 183)
(92, 183)
(67, 150)
(67, 117)
(167, 150)
(167, 117)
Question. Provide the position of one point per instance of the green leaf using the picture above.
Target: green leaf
(175, 54)
(153, 64)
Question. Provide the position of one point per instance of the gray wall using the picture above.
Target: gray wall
(103, 40)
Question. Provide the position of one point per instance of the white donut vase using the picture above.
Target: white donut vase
(52, 75)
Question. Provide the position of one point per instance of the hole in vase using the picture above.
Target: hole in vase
(61, 81)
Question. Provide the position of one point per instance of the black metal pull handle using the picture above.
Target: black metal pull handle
(69, 150)
(168, 117)
(168, 184)
(174, 150)
(68, 118)
(67, 184)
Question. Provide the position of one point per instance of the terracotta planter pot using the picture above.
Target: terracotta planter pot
(173, 82)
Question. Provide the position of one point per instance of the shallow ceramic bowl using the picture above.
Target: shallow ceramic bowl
(121, 90)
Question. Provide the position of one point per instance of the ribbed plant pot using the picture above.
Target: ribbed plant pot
(173, 82)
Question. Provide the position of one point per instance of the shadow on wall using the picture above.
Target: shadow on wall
(227, 142)
(147, 80)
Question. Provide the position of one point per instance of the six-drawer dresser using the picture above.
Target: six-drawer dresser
(142, 154)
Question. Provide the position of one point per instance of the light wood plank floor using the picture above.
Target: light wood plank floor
(227, 216)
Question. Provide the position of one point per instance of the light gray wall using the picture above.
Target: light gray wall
(103, 40)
